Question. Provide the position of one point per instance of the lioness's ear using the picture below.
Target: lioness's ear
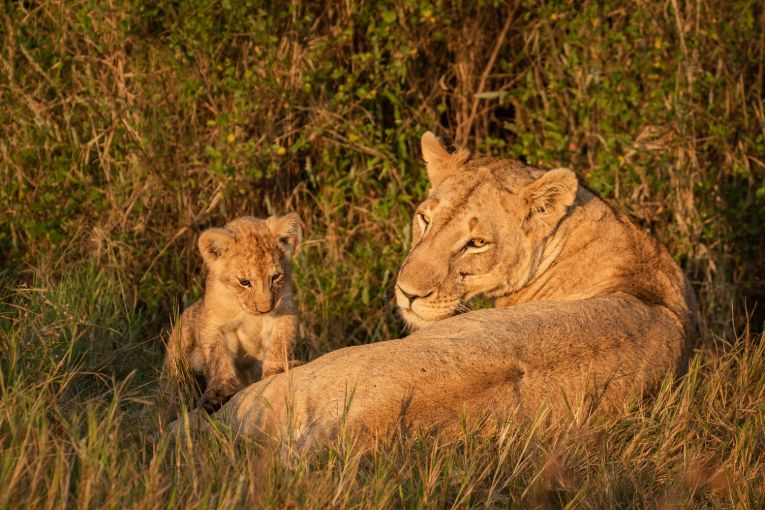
(213, 243)
(439, 161)
(287, 230)
(548, 197)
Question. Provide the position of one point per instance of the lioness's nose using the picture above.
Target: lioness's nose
(412, 296)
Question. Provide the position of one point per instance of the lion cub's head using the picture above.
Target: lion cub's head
(250, 257)
(479, 231)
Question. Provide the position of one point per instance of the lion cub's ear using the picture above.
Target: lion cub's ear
(213, 244)
(547, 199)
(440, 162)
(286, 229)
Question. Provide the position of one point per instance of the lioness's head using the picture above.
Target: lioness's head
(480, 231)
(250, 257)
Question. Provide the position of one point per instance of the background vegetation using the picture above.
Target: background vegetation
(128, 126)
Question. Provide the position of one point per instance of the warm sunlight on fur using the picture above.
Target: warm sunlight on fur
(591, 312)
(245, 326)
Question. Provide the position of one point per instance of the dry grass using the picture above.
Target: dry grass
(127, 126)
(73, 434)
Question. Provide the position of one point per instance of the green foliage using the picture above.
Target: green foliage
(127, 127)
(83, 322)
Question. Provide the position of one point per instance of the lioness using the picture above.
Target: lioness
(245, 326)
(590, 311)
(521, 234)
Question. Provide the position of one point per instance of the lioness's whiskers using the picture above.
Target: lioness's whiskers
(462, 308)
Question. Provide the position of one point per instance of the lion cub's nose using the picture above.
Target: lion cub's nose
(412, 296)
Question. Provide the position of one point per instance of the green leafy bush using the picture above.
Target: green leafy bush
(127, 127)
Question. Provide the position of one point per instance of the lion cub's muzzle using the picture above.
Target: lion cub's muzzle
(262, 304)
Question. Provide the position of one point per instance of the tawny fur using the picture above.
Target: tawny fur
(245, 326)
(590, 312)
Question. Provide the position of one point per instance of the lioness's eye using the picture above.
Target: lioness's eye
(275, 278)
(424, 220)
(244, 283)
(476, 243)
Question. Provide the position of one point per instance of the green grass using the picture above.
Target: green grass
(128, 127)
(78, 427)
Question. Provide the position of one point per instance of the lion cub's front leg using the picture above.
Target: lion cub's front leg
(281, 346)
(222, 378)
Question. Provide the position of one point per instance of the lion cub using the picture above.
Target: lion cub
(245, 326)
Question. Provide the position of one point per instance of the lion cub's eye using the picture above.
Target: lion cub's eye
(476, 243)
(277, 278)
(244, 283)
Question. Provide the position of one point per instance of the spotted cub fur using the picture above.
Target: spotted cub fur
(245, 326)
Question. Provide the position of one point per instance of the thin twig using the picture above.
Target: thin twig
(487, 70)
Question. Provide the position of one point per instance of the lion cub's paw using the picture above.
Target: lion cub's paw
(268, 372)
(214, 398)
